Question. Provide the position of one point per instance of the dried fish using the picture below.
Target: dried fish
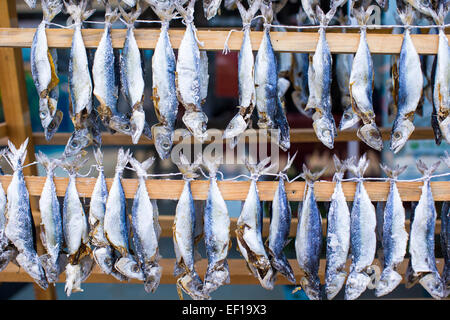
(217, 232)
(445, 234)
(211, 7)
(395, 237)
(308, 241)
(338, 234)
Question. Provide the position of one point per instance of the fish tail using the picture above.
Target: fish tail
(407, 15)
(363, 16)
(389, 280)
(123, 157)
(111, 15)
(247, 15)
(393, 173)
(423, 168)
(17, 156)
(188, 169)
(188, 12)
(339, 165)
(141, 168)
(48, 164)
(311, 177)
(51, 8)
(267, 11)
(78, 12)
(290, 161)
(212, 165)
(98, 155)
(360, 168)
(73, 165)
(164, 13)
(282, 265)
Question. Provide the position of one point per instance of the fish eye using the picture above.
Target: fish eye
(346, 116)
(43, 114)
(51, 126)
(397, 135)
(166, 145)
(74, 144)
(127, 127)
(374, 133)
(135, 268)
(326, 132)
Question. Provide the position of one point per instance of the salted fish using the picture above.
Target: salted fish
(19, 227)
(184, 239)
(249, 230)
(76, 231)
(43, 69)
(52, 236)
(247, 94)
(362, 236)
(217, 232)
(308, 241)
(145, 235)
(86, 135)
(164, 95)
(395, 237)
(211, 7)
(338, 234)
(445, 234)
(280, 224)
(421, 241)
(104, 255)
(361, 85)
(189, 75)
(410, 86)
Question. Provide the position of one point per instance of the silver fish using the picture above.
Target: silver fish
(217, 232)
(52, 236)
(184, 237)
(395, 237)
(362, 235)
(249, 230)
(308, 240)
(445, 234)
(43, 69)
(319, 83)
(76, 231)
(361, 85)
(145, 237)
(132, 76)
(421, 241)
(103, 253)
(246, 71)
(164, 88)
(410, 87)
(279, 229)
(190, 87)
(338, 234)
(211, 7)
(19, 228)
(88, 134)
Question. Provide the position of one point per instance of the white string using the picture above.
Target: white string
(226, 48)
(30, 164)
(371, 26)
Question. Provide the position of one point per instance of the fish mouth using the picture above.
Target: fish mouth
(445, 128)
(53, 126)
(371, 135)
(120, 124)
(163, 141)
(325, 131)
(349, 119)
(137, 121)
(196, 124)
(236, 126)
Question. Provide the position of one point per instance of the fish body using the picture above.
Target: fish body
(445, 233)
(338, 236)
(343, 70)
(76, 232)
(7, 250)
(145, 237)
(300, 82)
(394, 239)
(421, 241)
(308, 241)
(52, 236)
(217, 235)
(19, 228)
(362, 236)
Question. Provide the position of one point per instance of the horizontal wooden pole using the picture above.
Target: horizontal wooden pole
(304, 135)
(214, 40)
(239, 273)
(3, 130)
(237, 190)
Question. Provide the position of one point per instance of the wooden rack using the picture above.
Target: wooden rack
(17, 127)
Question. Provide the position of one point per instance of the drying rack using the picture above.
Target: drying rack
(17, 127)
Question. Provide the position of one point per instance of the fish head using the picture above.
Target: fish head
(348, 120)
(120, 124)
(371, 135)
(44, 112)
(79, 140)
(444, 125)
(236, 126)
(53, 126)
(163, 137)
(137, 121)
(400, 134)
(196, 124)
(433, 284)
(325, 131)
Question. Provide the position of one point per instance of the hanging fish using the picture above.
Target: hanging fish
(309, 7)
(421, 240)
(164, 88)
(76, 231)
(362, 235)
(7, 250)
(280, 224)
(217, 232)
(246, 71)
(308, 241)
(19, 228)
(184, 236)
(410, 86)
(249, 230)
(132, 76)
(145, 236)
(211, 7)
(271, 113)
(445, 234)
(52, 236)
(104, 254)
(88, 134)
(43, 69)
(361, 85)
(338, 234)
(395, 237)
(188, 76)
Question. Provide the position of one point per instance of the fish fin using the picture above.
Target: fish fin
(51, 8)
(16, 156)
(141, 168)
(393, 173)
(131, 17)
(186, 168)
(188, 12)
(423, 168)
(360, 168)
(212, 165)
(363, 16)
(266, 11)
(78, 11)
(311, 177)
(48, 164)
(123, 157)
(98, 154)
(407, 15)
(111, 15)
(290, 161)
(72, 165)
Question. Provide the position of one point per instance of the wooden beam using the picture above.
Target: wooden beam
(239, 273)
(304, 135)
(237, 190)
(214, 40)
(3, 130)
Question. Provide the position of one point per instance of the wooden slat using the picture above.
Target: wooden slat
(297, 136)
(237, 190)
(3, 130)
(239, 273)
(214, 40)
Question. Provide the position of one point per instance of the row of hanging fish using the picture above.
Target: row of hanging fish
(125, 245)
